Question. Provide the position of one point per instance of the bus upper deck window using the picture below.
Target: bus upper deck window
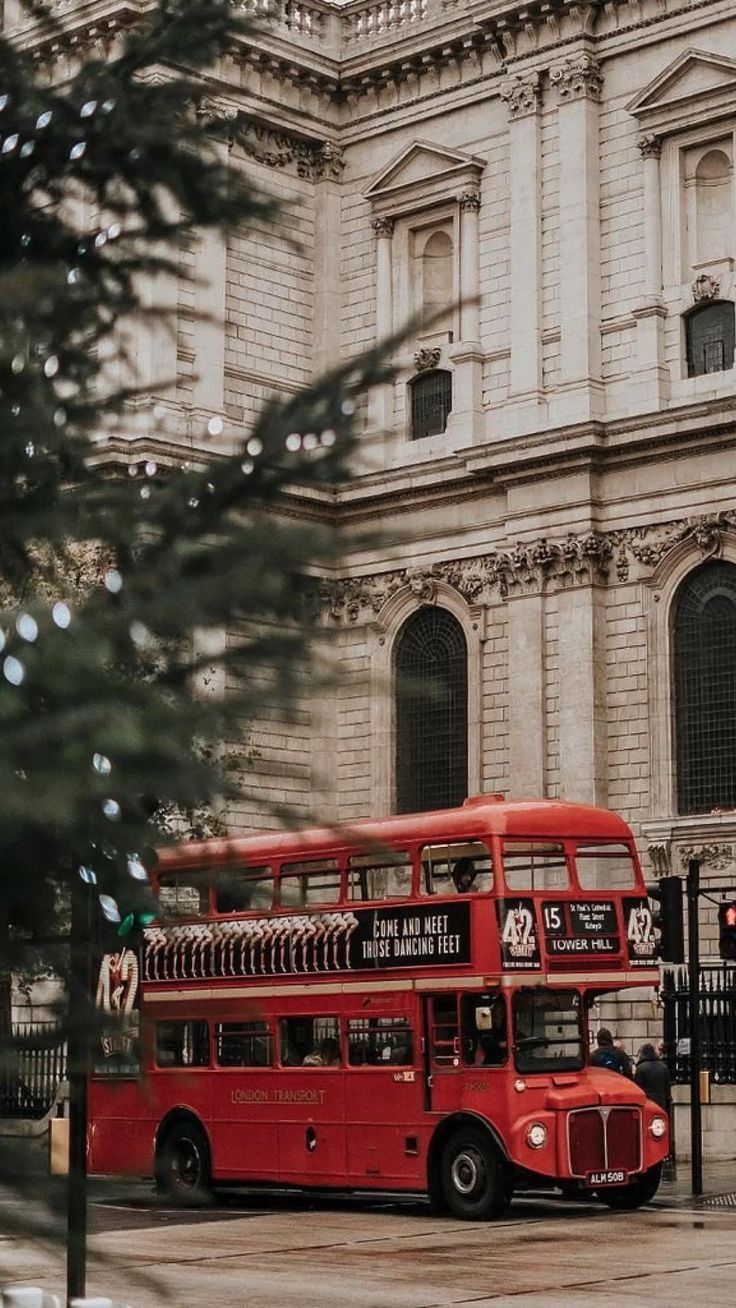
(244, 890)
(385, 874)
(534, 865)
(461, 868)
(310, 883)
(184, 894)
(605, 867)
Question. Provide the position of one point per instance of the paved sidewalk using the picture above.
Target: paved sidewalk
(719, 1178)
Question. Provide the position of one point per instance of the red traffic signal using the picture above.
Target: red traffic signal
(727, 931)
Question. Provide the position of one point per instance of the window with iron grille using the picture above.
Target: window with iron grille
(431, 403)
(705, 689)
(431, 712)
(709, 331)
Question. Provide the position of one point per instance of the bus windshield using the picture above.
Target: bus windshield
(548, 1030)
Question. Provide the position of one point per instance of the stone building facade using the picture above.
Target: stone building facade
(552, 467)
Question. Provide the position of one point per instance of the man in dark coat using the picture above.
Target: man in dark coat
(653, 1075)
(608, 1056)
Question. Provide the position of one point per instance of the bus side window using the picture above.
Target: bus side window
(184, 894)
(485, 1034)
(304, 885)
(309, 1042)
(243, 890)
(461, 868)
(243, 1044)
(534, 865)
(182, 1044)
(380, 876)
(378, 1041)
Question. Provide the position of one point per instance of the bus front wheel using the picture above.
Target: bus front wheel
(183, 1164)
(637, 1193)
(475, 1185)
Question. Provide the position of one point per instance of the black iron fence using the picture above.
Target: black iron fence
(32, 1066)
(717, 1006)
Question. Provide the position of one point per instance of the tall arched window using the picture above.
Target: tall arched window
(431, 712)
(705, 689)
(437, 289)
(714, 206)
(709, 331)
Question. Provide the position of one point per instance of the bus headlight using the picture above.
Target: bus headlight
(658, 1127)
(536, 1135)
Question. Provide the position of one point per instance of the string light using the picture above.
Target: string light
(51, 366)
(328, 437)
(113, 581)
(102, 764)
(61, 614)
(88, 875)
(140, 635)
(112, 810)
(13, 670)
(215, 426)
(136, 868)
(88, 109)
(348, 408)
(110, 908)
(26, 150)
(293, 442)
(10, 143)
(78, 150)
(26, 626)
(254, 446)
(247, 466)
(151, 468)
(311, 441)
(43, 120)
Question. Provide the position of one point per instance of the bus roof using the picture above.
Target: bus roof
(480, 816)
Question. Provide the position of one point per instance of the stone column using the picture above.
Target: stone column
(526, 696)
(578, 82)
(583, 730)
(382, 397)
(467, 399)
(210, 273)
(522, 96)
(653, 377)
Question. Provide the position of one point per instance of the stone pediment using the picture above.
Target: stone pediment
(423, 174)
(695, 88)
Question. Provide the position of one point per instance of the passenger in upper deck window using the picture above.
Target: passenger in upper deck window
(464, 874)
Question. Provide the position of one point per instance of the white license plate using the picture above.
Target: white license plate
(614, 1176)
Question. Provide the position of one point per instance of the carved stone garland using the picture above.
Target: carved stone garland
(576, 560)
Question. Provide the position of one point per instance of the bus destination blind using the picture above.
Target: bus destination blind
(581, 926)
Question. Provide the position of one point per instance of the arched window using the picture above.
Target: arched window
(709, 331)
(431, 403)
(714, 206)
(705, 689)
(431, 712)
(437, 276)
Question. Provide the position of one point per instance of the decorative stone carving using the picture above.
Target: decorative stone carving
(705, 288)
(650, 145)
(383, 227)
(582, 559)
(427, 358)
(314, 160)
(522, 95)
(469, 201)
(577, 77)
(660, 857)
(213, 113)
(716, 856)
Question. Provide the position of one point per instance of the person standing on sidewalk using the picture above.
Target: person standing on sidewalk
(653, 1075)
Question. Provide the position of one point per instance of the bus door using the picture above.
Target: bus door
(443, 1053)
(385, 1098)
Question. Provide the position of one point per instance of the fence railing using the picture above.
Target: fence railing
(32, 1066)
(717, 1008)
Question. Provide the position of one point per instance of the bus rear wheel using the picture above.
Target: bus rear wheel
(183, 1172)
(637, 1193)
(475, 1185)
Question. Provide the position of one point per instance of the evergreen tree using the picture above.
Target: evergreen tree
(112, 586)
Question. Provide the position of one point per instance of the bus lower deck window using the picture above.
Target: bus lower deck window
(377, 1041)
(243, 1044)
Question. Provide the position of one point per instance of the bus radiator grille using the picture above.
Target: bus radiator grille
(603, 1138)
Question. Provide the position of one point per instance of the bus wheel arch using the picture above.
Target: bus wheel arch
(480, 1136)
(183, 1158)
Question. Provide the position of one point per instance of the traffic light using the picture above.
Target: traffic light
(668, 918)
(727, 931)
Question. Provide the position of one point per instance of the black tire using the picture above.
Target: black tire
(637, 1193)
(183, 1171)
(475, 1182)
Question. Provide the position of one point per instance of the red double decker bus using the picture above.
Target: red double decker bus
(405, 1005)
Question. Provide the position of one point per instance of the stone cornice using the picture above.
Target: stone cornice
(587, 558)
